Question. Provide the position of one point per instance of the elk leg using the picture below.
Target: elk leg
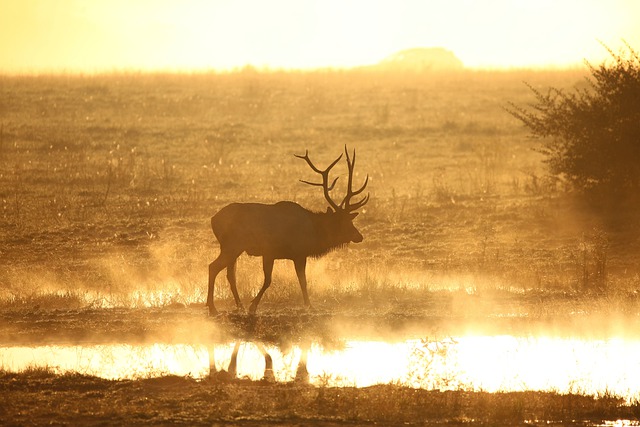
(231, 277)
(267, 266)
(301, 265)
(214, 268)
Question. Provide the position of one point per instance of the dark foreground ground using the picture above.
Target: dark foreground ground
(42, 398)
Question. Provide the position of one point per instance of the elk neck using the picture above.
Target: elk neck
(328, 234)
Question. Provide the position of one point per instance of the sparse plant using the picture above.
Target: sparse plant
(430, 369)
(40, 371)
(220, 144)
(442, 190)
(594, 249)
(486, 236)
(634, 405)
(1, 140)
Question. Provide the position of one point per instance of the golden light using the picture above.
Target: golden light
(480, 363)
(107, 35)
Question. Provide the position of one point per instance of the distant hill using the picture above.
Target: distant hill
(420, 60)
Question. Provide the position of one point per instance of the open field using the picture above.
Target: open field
(108, 183)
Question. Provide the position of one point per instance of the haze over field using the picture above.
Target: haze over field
(491, 279)
(170, 35)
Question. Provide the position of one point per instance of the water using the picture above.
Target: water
(488, 363)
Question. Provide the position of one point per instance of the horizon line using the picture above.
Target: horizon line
(265, 69)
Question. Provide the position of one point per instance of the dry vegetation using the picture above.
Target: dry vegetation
(107, 184)
(38, 397)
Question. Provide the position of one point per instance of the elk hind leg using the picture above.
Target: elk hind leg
(216, 267)
(231, 277)
(267, 266)
(301, 265)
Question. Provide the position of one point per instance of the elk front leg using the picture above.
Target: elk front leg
(231, 277)
(267, 266)
(214, 268)
(301, 265)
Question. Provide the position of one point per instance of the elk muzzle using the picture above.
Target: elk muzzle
(357, 237)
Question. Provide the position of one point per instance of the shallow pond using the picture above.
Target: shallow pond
(488, 363)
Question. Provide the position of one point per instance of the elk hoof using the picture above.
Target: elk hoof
(213, 312)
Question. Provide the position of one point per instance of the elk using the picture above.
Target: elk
(284, 230)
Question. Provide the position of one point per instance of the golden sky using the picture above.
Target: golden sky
(110, 35)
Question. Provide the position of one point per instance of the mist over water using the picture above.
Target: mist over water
(499, 363)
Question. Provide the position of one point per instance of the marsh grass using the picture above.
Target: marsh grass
(46, 300)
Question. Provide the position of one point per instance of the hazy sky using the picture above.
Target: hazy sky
(107, 35)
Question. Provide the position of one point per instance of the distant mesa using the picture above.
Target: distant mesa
(420, 60)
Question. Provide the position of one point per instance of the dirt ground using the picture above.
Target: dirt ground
(41, 398)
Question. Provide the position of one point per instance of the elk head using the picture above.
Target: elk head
(340, 215)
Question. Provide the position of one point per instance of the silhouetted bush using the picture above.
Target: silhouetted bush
(591, 137)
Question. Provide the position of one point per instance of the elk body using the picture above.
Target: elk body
(284, 230)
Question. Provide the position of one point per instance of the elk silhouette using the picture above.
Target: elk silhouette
(284, 230)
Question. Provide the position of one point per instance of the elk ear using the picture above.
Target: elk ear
(329, 210)
(353, 215)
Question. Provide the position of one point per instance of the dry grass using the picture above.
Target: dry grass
(107, 183)
(38, 397)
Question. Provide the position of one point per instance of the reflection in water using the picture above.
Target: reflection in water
(489, 363)
(259, 368)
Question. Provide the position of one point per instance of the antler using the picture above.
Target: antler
(346, 202)
(325, 178)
